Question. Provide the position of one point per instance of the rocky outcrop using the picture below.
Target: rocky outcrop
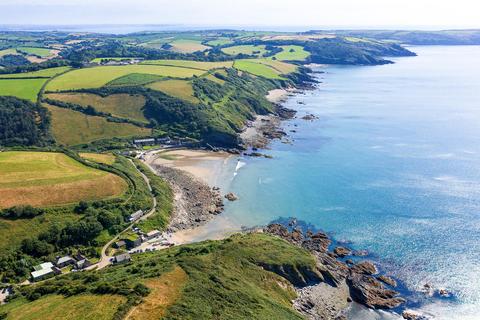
(364, 267)
(195, 202)
(371, 292)
(333, 276)
(387, 280)
(341, 252)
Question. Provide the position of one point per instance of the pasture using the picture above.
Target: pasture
(245, 49)
(134, 79)
(21, 88)
(187, 46)
(71, 127)
(5, 52)
(219, 42)
(280, 66)
(176, 88)
(119, 105)
(257, 69)
(54, 307)
(40, 52)
(292, 53)
(191, 64)
(45, 179)
(45, 73)
(97, 77)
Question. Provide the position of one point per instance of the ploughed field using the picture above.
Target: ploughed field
(48, 179)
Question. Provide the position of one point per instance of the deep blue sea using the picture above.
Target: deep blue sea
(392, 165)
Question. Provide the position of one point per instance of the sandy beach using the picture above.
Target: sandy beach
(277, 95)
(204, 165)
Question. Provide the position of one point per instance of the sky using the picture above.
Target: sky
(429, 14)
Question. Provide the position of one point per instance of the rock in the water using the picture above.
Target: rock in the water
(412, 315)
(364, 267)
(388, 280)
(341, 251)
(231, 196)
(371, 292)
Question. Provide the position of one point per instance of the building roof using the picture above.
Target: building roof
(122, 257)
(144, 140)
(152, 233)
(41, 273)
(64, 259)
(42, 266)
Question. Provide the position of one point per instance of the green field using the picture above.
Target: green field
(219, 42)
(292, 53)
(99, 76)
(47, 179)
(257, 69)
(279, 66)
(55, 307)
(191, 64)
(187, 46)
(45, 73)
(71, 127)
(134, 79)
(119, 105)
(245, 49)
(21, 88)
(5, 52)
(177, 88)
(41, 52)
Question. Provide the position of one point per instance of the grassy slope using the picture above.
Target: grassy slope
(71, 127)
(245, 49)
(119, 105)
(292, 53)
(47, 73)
(5, 52)
(164, 195)
(223, 280)
(41, 52)
(73, 308)
(105, 158)
(177, 88)
(257, 69)
(21, 88)
(12, 232)
(97, 77)
(47, 178)
(191, 64)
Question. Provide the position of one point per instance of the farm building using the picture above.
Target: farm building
(152, 234)
(44, 271)
(62, 262)
(132, 241)
(119, 244)
(135, 216)
(123, 258)
(144, 142)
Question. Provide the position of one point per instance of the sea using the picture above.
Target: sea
(391, 166)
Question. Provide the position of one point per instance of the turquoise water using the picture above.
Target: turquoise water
(392, 164)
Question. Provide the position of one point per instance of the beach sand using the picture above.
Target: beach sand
(204, 165)
(277, 95)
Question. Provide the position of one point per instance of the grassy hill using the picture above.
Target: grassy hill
(210, 280)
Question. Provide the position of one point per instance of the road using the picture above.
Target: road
(105, 258)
